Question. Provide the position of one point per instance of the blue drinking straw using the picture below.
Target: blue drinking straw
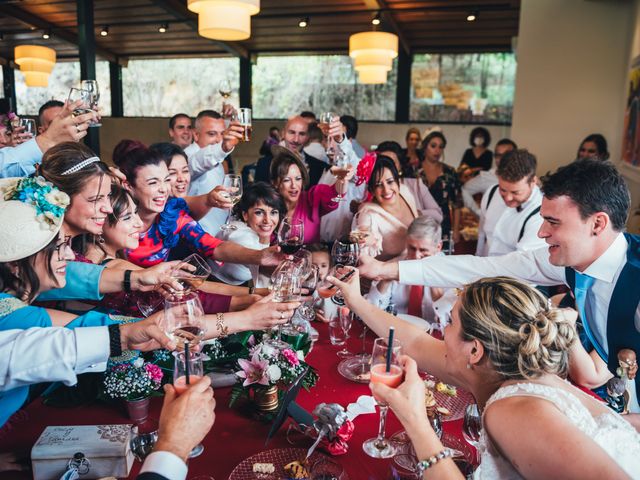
(390, 348)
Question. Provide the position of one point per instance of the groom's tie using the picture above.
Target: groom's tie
(583, 285)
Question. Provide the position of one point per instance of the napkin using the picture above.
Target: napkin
(365, 404)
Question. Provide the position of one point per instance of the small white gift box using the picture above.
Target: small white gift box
(99, 450)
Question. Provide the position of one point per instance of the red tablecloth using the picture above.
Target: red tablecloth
(235, 437)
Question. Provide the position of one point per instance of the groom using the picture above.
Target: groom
(584, 211)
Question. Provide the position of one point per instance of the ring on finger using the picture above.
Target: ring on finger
(77, 128)
(282, 315)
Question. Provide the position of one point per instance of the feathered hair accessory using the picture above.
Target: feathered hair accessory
(365, 167)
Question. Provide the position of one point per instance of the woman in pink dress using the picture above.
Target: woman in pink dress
(290, 178)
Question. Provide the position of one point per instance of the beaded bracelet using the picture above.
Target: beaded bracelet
(430, 462)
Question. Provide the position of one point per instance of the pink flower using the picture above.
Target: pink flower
(291, 357)
(253, 371)
(365, 167)
(154, 371)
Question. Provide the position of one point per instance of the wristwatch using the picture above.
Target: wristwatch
(115, 341)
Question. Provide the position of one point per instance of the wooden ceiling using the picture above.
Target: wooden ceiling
(423, 26)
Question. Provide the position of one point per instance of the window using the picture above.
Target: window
(64, 76)
(469, 88)
(287, 85)
(162, 88)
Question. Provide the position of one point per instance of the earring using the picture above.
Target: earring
(100, 240)
(469, 366)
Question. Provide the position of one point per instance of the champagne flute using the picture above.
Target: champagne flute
(235, 182)
(291, 235)
(308, 286)
(191, 273)
(346, 319)
(472, 426)
(187, 370)
(224, 89)
(325, 122)
(91, 86)
(184, 320)
(391, 376)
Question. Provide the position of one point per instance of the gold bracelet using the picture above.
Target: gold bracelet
(221, 326)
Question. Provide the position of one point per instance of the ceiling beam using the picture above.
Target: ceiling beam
(62, 33)
(388, 16)
(178, 9)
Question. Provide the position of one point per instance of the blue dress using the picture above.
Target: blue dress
(15, 314)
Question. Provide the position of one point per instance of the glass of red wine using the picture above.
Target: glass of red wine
(291, 235)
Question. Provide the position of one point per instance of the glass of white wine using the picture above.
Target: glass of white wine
(184, 320)
(191, 273)
(235, 183)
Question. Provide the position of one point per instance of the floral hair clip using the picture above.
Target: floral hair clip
(365, 167)
(49, 202)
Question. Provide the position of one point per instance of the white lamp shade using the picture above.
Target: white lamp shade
(366, 60)
(228, 23)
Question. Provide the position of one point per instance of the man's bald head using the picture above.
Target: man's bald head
(296, 133)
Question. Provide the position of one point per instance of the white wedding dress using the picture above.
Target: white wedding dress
(609, 430)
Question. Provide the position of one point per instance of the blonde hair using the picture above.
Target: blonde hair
(522, 336)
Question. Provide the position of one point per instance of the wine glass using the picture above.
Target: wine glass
(346, 319)
(235, 182)
(285, 286)
(191, 273)
(346, 251)
(76, 94)
(291, 235)
(472, 426)
(340, 166)
(29, 126)
(324, 123)
(325, 288)
(361, 227)
(149, 302)
(187, 370)
(91, 86)
(244, 118)
(391, 376)
(308, 286)
(184, 320)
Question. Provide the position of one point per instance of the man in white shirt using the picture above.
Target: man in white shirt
(180, 130)
(62, 353)
(484, 180)
(584, 210)
(206, 156)
(424, 239)
(515, 220)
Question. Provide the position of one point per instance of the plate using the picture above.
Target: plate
(405, 457)
(279, 457)
(456, 405)
(351, 369)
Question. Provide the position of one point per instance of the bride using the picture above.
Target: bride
(511, 351)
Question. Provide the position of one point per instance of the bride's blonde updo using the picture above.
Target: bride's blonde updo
(521, 335)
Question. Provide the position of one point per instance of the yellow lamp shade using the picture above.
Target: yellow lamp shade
(36, 63)
(36, 79)
(197, 6)
(26, 53)
(228, 20)
(372, 75)
(367, 60)
(373, 43)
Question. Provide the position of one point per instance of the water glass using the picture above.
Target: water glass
(191, 364)
(244, 118)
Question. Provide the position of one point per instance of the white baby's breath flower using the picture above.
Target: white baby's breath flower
(274, 373)
(138, 362)
(268, 350)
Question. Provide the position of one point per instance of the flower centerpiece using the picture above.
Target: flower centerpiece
(134, 382)
(267, 371)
